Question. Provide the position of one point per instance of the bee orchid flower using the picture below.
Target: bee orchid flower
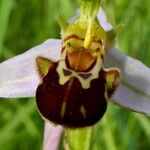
(126, 84)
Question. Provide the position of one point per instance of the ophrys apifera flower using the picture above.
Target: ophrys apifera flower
(82, 67)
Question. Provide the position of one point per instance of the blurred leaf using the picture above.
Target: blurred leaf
(22, 116)
(5, 10)
(108, 136)
(145, 123)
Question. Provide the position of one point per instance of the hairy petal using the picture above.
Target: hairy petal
(134, 91)
(18, 75)
(52, 136)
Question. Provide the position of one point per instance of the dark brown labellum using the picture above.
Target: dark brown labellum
(70, 105)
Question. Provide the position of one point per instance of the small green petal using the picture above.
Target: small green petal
(112, 34)
(62, 22)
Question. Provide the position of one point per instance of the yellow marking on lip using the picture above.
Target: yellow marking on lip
(63, 108)
(83, 111)
(84, 82)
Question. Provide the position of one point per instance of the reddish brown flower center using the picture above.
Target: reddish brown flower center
(80, 60)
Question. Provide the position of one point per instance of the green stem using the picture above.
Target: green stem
(79, 138)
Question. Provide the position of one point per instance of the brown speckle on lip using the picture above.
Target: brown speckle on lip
(85, 75)
(66, 72)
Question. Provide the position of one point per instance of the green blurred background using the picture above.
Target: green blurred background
(26, 23)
